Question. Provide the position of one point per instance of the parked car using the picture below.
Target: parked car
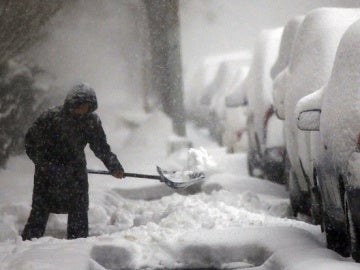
(217, 110)
(309, 68)
(282, 61)
(203, 76)
(279, 69)
(265, 154)
(334, 111)
(207, 80)
(235, 137)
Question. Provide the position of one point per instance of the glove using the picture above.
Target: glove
(119, 174)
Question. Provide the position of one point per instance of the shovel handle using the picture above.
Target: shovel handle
(136, 175)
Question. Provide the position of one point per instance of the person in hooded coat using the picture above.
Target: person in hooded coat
(55, 143)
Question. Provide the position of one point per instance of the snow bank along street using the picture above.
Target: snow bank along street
(231, 221)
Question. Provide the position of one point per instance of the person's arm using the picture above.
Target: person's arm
(100, 147)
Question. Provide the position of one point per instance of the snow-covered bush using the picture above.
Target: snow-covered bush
(21, 100)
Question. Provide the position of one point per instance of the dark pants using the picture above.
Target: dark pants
(77, 227)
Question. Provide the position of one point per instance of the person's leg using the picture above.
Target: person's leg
(36, 224)
(78, 225)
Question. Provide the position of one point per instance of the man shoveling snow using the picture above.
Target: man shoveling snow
(55, 143)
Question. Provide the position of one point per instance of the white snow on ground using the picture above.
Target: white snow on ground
(230, 221)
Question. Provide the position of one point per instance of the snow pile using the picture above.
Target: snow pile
(217, 249)
(199, 160)
(234, 221)
(189, 166)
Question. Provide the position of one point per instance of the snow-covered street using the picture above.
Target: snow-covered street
(231, 221)
(158, 134)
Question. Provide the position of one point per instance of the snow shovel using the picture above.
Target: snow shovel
(164, 176)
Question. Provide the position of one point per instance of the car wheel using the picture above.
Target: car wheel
(316, 203)
(299, 200)
(353, 231)
(254, 168)
(337, 238)
(287, 171)
(250, 165)
(316, 206)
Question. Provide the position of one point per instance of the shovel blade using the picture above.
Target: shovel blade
(180, 180)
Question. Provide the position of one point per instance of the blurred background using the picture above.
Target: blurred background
(215, 27)
(137, 54)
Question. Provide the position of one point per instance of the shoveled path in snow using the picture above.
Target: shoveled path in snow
(234, 222)
(231, 221)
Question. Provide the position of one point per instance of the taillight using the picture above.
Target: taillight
(239, 134)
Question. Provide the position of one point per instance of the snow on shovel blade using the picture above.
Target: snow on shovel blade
(180, 180)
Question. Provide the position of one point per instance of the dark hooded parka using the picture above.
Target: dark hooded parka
(56, 142)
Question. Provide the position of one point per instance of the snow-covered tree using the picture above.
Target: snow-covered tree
(166, 72)
(20, 25)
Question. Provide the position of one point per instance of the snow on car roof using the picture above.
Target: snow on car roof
(265, 52)
(238, 95)
(227, 74)
(314, 50)
(346, 72)
(319, 36)
(286, 45)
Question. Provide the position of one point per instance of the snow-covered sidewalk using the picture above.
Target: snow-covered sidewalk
(231, 221)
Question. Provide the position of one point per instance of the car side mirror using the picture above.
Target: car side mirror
(309, 120)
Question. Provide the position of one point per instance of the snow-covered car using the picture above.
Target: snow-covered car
(234, 137)
(334, 110)
(203, 76)
(217, 110)
(207, 80)
(265, 153)
(278, 71)
(309, 69)
(282, 61)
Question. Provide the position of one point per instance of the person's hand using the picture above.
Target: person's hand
(119, 174)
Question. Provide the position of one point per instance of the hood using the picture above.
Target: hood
(80, 94)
